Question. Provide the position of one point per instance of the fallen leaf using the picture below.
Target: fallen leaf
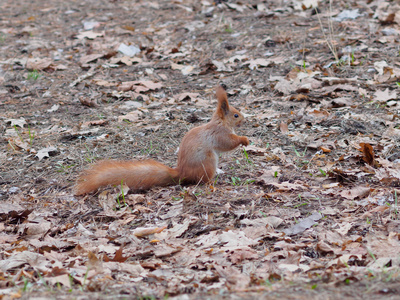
(233, 276)
(304, 4)
(185, 69)
(91, 35)
(348, 14)
(46, 152)
(283, 127)
(35, 260)
(271, 221)
(287, 186)
(95, 123)
(254, 150)
(383, 96)
(94, 263)
(259, 62)
(368, 152)
(139, 86)
(324, 248)
(241, 254)
(187, 96)
(102, 82)
(38, 64)
(239, 8)
(235, 239)
(356, 192)
(141, 232)
(13, 212)
(89, 58)
(380, 66)
(221, 67)
(303, 224)
(65, 280)
(133, 116)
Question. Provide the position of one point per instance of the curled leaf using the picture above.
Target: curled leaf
(368, 153)
(141, 232)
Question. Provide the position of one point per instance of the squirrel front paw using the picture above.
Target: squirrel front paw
(244, 141)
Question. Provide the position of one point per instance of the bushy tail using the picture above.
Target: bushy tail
(138, 175)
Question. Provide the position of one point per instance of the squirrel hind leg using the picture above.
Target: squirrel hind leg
(202, 173)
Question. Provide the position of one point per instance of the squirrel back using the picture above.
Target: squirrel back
(197, 156)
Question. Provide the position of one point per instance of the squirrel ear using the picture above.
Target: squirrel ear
(223, 104)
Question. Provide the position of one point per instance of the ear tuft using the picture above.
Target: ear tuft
(223, 104)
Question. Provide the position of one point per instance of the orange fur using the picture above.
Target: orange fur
(140, 175)
(197, 156)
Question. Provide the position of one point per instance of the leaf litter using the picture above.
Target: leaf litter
(309, 209)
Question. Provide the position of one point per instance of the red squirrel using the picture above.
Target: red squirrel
(197, 156)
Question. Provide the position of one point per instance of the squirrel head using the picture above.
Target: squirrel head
(228, 114)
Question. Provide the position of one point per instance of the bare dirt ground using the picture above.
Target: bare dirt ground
(308, 210)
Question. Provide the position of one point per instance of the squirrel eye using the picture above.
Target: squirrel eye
(236, 115)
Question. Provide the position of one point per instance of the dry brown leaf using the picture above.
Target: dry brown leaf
(95, 123)
(241, 254)
(332, 237)
(166, 250)
(324, 248)
(149, 84)
(337, 81)
(343, 261)
(285, 87)
(126, 86)
(64, 279)
(270, 174)
(283, 127)
(344, 228)
(368, 153)
(287, 186)
(259, 62)
(118, 257)
(89, 58)
(233, 276)
(392, 133)
(141, 232)
(89, 35)
(254, 150)
(298, 97)
(187, 96)
(319, 114)
(39, 228)
(303, 224)
(383, 96)
(272, 221)
(35, 260)
(13, 212)
(325, 149)
(139, 86)
(356, 192)
(94, 263)
(20, 144)
(38, 64)
(133, 116)
(134, 269)
(88, 102)
(185, 69)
